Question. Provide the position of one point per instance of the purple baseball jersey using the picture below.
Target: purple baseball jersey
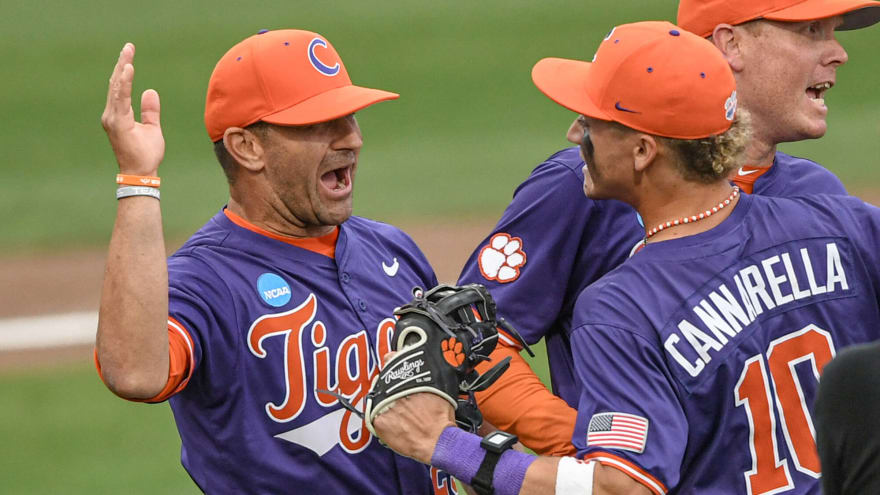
(792, 176)
(552, 242)
(271, 323)
(700, 356)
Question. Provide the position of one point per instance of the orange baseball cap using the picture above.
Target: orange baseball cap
(650, 76)
(701, 16)
(284, 77)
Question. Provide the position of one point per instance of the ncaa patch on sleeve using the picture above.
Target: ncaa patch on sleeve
(621, 431)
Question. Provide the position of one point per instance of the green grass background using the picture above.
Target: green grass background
(468, 128)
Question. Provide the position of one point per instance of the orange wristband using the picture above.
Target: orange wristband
(137, 180)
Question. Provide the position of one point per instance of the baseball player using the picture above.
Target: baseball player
(697, 359)
(847, 417)
(536, 261)
(280, 296)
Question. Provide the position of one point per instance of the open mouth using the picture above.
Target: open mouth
(817, 92)
(338, 179)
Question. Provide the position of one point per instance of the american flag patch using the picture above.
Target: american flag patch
(615, 430)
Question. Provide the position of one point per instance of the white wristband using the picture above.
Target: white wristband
(574, 476)
(127, 191)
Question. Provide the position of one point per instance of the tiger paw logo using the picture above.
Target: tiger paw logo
(452, 352)
(502, 259)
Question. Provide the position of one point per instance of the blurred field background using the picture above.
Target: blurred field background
(469, 126)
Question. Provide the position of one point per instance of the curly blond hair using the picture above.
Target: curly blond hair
(711, 159)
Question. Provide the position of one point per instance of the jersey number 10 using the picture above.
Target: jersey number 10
(769, 473)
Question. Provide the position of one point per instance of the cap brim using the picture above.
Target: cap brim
(567, 82)
(856, 13)
(329, 105)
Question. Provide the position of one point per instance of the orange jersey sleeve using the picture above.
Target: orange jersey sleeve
(181, 360)
(519, 403)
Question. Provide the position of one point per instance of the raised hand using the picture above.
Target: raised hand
(138, 146)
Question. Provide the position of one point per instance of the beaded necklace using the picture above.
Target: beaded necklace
(693, 218)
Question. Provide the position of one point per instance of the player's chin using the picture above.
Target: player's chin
(814, 123)
(813, 128)
(587, 188)
(589, 184)
(336, 213)
(819, 129)
(592, 191)
(597, 194)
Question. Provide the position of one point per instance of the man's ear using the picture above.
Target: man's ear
(728, 40)
(245, 147)
(644, 152)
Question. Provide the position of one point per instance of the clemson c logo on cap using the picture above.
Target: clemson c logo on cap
(316, 63)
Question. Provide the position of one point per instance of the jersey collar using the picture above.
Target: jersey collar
(324, 245)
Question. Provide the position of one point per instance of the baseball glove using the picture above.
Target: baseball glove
(440, 337)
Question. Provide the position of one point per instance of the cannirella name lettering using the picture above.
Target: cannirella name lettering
(757, 288)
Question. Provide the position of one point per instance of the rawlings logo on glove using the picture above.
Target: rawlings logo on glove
(404, 370)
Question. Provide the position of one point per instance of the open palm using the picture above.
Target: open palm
(138, 146)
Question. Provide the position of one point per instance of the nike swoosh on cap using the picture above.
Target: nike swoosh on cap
(622, 109)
